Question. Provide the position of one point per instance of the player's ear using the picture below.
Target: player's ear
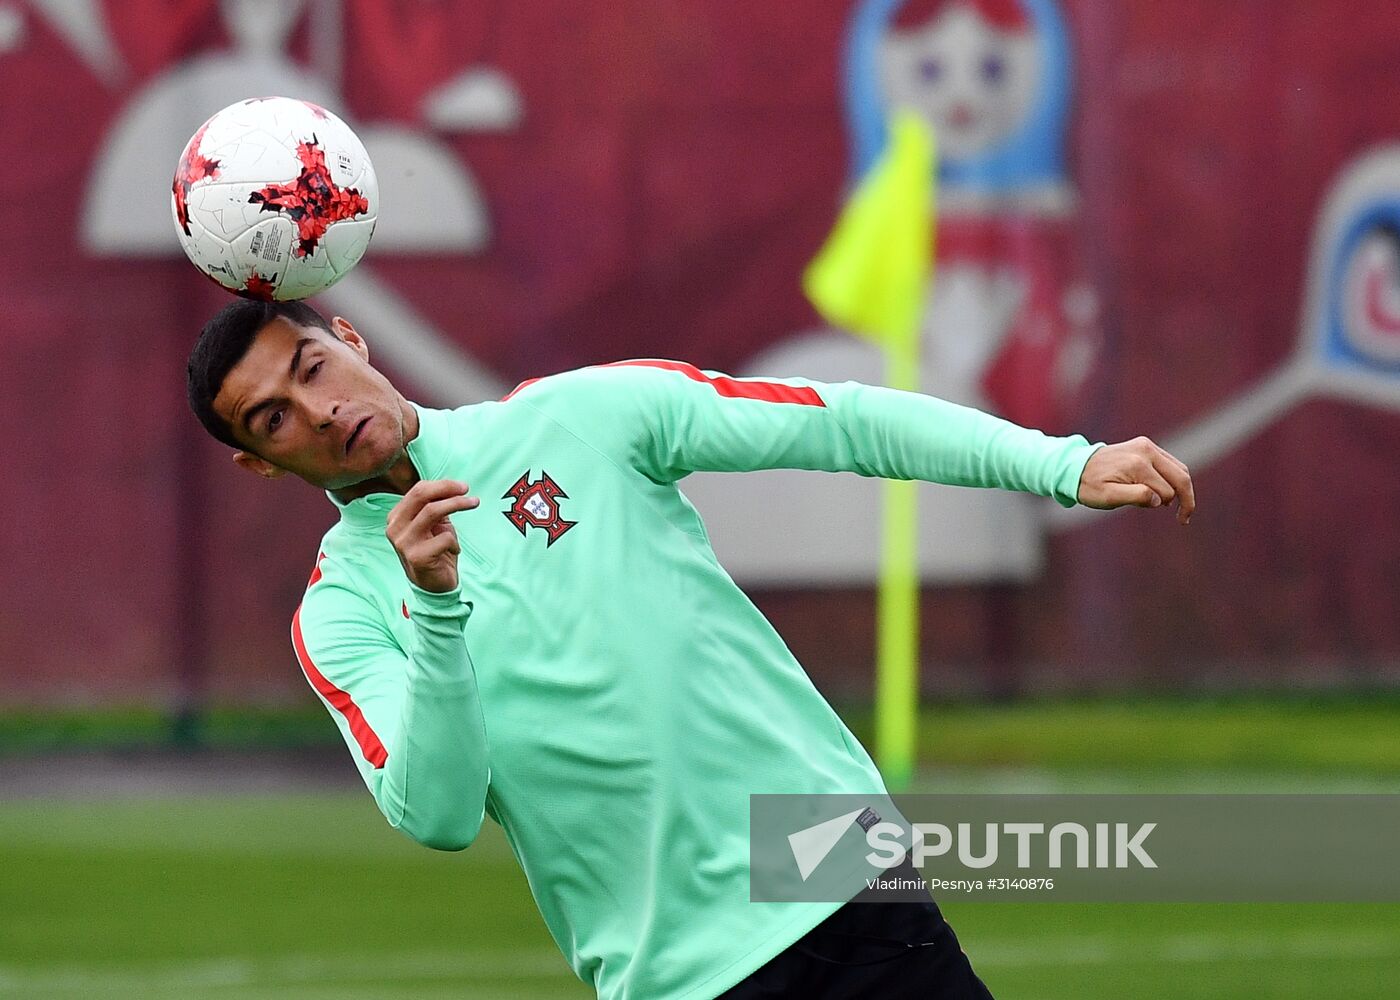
(351, 336)
(257, 466)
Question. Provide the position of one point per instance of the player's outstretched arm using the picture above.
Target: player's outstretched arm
(667, 419)
(1137, 473)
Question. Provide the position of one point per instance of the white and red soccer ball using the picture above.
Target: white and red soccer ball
(274, 198)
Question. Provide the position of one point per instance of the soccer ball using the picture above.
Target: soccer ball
(274, 198)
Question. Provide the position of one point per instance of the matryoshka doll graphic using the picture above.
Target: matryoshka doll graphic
(1012, 322)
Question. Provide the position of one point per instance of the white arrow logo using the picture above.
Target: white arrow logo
(812, 845)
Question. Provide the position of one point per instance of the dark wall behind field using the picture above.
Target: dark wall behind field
(676, 166)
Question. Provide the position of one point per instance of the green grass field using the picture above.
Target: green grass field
(310, 895)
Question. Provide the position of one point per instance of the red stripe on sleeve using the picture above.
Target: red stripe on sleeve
(770, 392)
(523, 385)
(315, 572)
(341, 701)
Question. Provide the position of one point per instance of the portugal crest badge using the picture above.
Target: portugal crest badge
(536, 505)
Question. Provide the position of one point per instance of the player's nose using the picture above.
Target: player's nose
(324, 413)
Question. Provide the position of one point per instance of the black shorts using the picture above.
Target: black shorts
(871, 951)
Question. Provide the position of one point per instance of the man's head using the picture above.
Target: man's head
(294, 393)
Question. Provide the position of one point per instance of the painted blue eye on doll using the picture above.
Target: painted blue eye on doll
(993, 69)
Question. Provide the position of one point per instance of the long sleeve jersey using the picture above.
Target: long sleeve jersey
(598, 685)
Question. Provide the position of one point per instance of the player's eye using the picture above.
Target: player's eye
(274, 421)
(311, 372)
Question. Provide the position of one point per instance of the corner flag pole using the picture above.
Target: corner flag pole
(897, 612)
(872, 277)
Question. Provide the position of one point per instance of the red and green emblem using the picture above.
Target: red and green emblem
(536, 505)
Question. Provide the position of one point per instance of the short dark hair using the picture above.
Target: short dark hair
(222, 344)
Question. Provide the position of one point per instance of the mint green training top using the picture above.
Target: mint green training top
(598, 685)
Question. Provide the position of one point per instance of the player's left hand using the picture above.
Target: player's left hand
(1137, 473)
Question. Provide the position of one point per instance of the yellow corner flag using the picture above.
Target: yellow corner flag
(872, 274)
(872, 277)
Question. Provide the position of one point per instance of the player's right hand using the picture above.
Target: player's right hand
(422, 535)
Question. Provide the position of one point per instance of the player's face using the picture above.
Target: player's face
(308, 402)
